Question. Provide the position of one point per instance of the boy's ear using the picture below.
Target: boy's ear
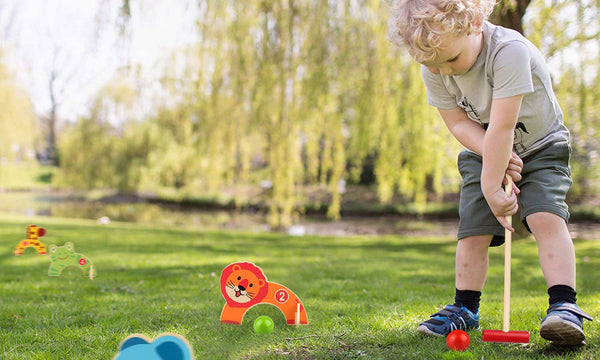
(478, 24)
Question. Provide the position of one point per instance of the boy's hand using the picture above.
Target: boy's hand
(503, 205)
(515, 166)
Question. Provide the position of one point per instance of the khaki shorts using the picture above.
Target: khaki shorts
(546, 181)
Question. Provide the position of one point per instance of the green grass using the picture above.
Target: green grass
(25, 176)
(364, 295)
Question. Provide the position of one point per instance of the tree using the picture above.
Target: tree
(302, 93)
(564, 31)
(18, 132)
(509, 13)
(57, 80)
(95, 153)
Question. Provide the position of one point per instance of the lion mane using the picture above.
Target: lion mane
(243, 284)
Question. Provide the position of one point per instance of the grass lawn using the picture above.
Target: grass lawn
(25, 175)
(364, 295)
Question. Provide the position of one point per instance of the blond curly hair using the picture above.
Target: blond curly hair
(420, 24)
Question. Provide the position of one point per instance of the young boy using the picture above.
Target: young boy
(493, 91)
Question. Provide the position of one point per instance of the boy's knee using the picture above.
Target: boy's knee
(543, 220)
(477, 241)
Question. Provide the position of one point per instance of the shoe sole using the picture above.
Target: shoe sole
(561, 332)
(422, 329)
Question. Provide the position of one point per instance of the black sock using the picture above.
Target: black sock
(468, 298)
(562, 294)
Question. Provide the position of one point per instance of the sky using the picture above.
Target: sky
(81, 41)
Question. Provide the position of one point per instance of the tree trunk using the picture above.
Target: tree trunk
(509, 13)
(51, 151)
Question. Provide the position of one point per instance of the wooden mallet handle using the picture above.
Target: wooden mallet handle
(507, 258)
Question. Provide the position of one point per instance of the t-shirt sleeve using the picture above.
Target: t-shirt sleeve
(437, 93)
(512, 71)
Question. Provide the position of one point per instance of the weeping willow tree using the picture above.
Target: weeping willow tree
(275, 105)
(197, 118)
(565, 31)
(581, 113)
(244, 135)
(297, 93)
(324, 96)
(300, 94)
(18, 133)
(418, 151)
(97, 154)
(584, 117)
(88, 142)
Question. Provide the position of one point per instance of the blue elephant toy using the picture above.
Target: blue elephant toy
(164, 347)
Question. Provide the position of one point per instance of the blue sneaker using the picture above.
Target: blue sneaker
(449, 319)
(564, 325)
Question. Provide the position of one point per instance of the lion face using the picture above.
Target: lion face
(243, 284)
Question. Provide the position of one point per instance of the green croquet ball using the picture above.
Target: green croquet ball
(263, 325)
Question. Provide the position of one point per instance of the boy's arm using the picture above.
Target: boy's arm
(471, 135)
(466, 131)
(497, 149)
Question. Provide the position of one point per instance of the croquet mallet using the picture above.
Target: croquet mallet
(504, 335)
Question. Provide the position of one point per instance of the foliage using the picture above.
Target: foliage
(110, 159)
(18, 133)
(563, 37)
(152, 280)
(509, 13)
(297, 92)
(86, 152)
(284, 85)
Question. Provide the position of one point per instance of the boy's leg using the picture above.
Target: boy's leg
(477, 230)
(471, 271)
(564, 323)
(546, 181)
(555, 247)
(472, 262)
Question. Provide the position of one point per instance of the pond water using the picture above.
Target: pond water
(72, 205)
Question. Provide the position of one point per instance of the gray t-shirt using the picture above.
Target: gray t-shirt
(508, 65)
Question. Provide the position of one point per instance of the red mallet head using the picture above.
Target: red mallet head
(505, 336)
(458, 340)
